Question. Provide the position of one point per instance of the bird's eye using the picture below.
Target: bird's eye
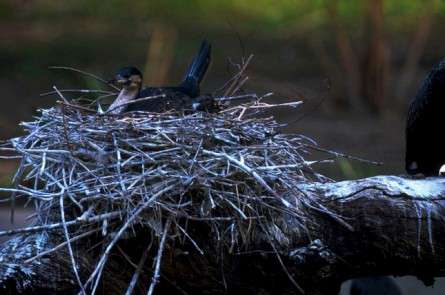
(135, 79)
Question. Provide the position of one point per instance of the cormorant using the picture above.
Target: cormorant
(425, 152)
(178, 97)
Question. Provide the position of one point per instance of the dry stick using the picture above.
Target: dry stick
(74, 106)
(341, 155)
(235, 77)
(266, 105)
(155, 278)
(240, 84)
(64, 121)
(239, 77)
(196, 155)
(126, 257)
(250, 171)
(36, 194)
(214, 93)
(138, 271)
(60, 95)
(280, 260)
(237, 97)
(97, 218)
(84, 73)
(298, 166)
(6, 200)
(261, 105)
(118, 164)
(99, 267)
(190, 238)
(31, 150)
(70, 249)
(10, 157)
(78, 91)
(15, 182)
(61, 245)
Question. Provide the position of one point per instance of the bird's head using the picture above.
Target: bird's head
(129, 78)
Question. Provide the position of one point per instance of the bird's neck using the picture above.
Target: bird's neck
(120, 103)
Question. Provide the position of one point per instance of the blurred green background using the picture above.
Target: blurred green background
(356, 64)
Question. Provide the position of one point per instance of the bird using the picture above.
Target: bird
(425, 153)
(160, 99)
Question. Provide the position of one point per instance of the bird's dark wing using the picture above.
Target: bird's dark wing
(424, 144)
(173, 98)
(197, 70)
(430, 98)
(415, 123)
(419, 106)
(179, 98)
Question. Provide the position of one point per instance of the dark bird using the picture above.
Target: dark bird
(425, 153)
(177, 97)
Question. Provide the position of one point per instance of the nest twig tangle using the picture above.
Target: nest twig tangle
(111, 177)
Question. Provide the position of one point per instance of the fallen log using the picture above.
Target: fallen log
(383, 225)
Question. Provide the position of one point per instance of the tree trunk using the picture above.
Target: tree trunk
(347, 56)
(374, 69)
(383, 225)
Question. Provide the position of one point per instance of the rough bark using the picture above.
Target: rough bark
(383, 225)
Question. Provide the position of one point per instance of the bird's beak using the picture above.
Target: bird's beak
(118, 80)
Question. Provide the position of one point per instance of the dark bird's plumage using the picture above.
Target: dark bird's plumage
(126, 72)
(425, 150)
(179, 97)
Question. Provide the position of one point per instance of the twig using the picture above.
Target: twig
(138, 270)
(61, 245)
(57, 225)
(341, 155)
(239, 76)
(99, 267)
(78, 91)
(60, 95)
(84, 73)
(70, 249)
(248, 170)
(156, 274)
(15, 182)
(277, 254)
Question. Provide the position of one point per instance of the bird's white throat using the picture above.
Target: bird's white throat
(124, 97)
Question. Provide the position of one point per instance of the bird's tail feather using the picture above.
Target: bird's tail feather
(198, 68)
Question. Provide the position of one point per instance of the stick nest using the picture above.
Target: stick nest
(96, 173)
